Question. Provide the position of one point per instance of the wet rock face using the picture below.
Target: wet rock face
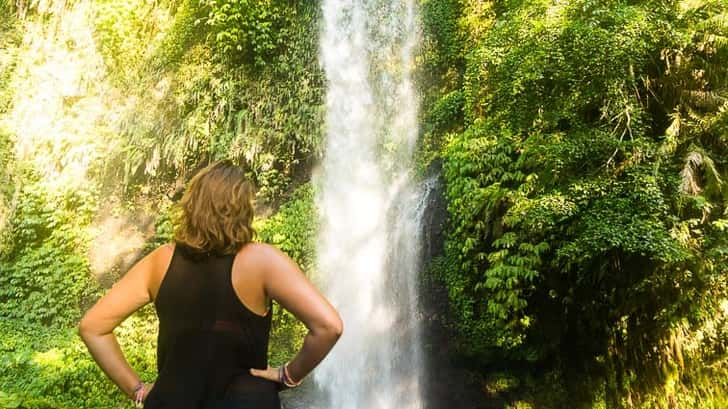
(447, 385)
(434, 219)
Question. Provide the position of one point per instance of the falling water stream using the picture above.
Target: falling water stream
(370, 207)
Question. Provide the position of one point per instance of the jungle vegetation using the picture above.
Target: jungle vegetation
(583, 145)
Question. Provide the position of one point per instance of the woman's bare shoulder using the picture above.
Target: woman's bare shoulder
(160, 258)
(163, 253)
(262, 255)
(260, 251)
(167, 248)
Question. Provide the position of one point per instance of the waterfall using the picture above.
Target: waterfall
(370, 206)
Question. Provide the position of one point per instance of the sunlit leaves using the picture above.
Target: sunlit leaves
(44, 274)
(235, 80)
(586, 190)
(42, 368)
(249, 31)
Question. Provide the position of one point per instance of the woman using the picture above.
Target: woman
(212, 290)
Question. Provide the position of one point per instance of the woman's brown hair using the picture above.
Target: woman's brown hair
(215, 214)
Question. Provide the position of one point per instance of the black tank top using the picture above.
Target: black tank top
(208, 340)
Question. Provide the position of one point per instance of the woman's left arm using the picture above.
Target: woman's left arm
(124, 298)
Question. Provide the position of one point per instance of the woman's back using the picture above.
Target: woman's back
(212, 291)
(208, 338)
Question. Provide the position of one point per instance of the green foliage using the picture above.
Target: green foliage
(286, 338)
(44, 274)
(7, 176)
(246, 31)
(7, 7)
(7, 164)
(187, 30)
(42, 368)
(163, 228)
(230, 79)
(207, 105)
(584, 145)
(439, 76)
(293, 230)
(122, 34)
(444, 40)
(49, 367)
(9, 40)
(586, 191)
(554, 72)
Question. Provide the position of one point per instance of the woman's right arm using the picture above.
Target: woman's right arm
(285, 283)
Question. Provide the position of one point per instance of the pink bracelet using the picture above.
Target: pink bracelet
(287, 379)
